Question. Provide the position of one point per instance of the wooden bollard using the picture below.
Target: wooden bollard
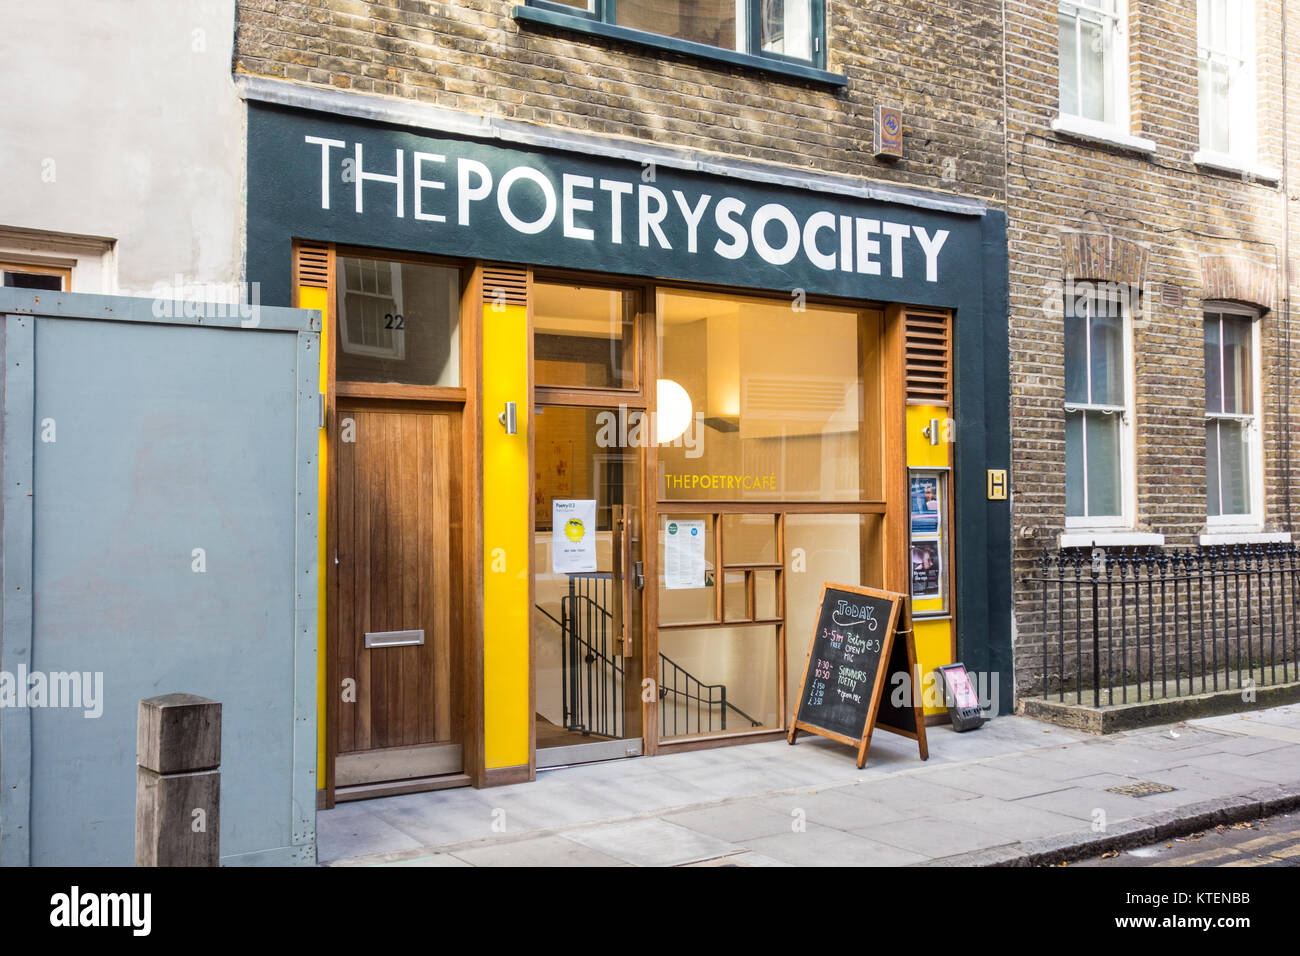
(178, 781)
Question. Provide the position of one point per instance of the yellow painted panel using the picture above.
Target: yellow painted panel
(507, 517)
(310, 297)
(933, 648)
(920, 453)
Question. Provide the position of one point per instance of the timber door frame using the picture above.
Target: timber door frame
(639, 399)
(467, 640)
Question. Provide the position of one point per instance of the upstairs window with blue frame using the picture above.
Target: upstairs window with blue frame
(791, 31)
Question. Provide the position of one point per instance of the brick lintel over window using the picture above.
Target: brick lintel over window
(1103, 258)
(1235, 279)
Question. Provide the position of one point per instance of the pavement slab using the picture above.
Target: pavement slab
(1015, 790)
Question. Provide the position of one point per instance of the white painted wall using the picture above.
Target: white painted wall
(119, 120)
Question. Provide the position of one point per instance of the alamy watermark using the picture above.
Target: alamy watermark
(187, 298)
(74, 690)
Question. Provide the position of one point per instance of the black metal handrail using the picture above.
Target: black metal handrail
(592, 674)
(681, 686)
(1121, 622)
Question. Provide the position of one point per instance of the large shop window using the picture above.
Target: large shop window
(759, 402)
(1093, 62)
(790, 30)
(1097, 413)
(1225, 32)
(399, 322)
(1231, 427)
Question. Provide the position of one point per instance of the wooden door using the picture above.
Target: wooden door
(396, 483)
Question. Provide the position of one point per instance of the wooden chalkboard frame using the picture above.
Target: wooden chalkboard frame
(899, 613)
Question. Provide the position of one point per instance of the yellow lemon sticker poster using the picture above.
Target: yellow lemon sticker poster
(573, 535)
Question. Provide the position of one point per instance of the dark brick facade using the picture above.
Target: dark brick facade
(1180, 234)
(939, 62)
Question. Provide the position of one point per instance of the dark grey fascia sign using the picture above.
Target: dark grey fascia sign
(346, 180)
(334, 177)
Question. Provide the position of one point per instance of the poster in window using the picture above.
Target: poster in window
(573, 535)
(926, 569)
(684, 555)
(925, 508)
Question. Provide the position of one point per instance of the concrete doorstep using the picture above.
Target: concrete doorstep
(1016, 792)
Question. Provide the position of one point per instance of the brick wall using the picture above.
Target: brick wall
(938, 61)
(1179, 214)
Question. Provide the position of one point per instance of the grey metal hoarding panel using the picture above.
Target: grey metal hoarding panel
(152, 436)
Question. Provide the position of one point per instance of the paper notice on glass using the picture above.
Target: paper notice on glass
(573, 535)
(684, 555)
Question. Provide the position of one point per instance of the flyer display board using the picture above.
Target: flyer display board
(860, 642)
(927, 531)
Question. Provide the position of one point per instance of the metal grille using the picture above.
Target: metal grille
(505, 285)
(314, 265)
(929, 358)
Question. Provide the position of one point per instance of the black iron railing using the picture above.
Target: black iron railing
(692, 698)
(1139, 624)
(591, 671)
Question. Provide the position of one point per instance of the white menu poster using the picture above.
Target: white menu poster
(573, 535)
(683, 555)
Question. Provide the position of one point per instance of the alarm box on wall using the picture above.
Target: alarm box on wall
(887, 141)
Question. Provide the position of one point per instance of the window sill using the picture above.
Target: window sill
(1102, 134)
(1245, 537)
(536, 16)
(1110, 539)
(1223, 163)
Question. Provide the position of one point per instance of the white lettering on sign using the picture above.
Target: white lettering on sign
(531, 201)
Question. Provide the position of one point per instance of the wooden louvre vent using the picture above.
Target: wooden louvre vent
(505, 285)
(313, 264)
(929, 358)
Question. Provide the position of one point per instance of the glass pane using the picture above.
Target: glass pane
(749, 539)
(700, 21)
(1102, 439)
(1218, 92)
(1107, 355)
(43, 281)
(719, 680)
(735, 596)
(1093, 52)
(687, 595)
(1234, 467)
(1212, 506)
(765, 595)
(1074, 464)
(841, 548)
(398, 322)
(588, 5)
(583, 336)
(772, 404)
(786, 27)
(585, 688)
(1076, 355)
(1069, 66)
(1213, 365)
(1236, 366)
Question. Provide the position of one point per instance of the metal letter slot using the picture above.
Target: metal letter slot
(393, 638)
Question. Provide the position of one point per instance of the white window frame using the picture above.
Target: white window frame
(1254, 519)
(1242, 102)
(1116, 70)
(1126, 519)
(397, 351)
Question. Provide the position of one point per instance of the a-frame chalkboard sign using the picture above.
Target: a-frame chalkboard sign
(863, 637)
